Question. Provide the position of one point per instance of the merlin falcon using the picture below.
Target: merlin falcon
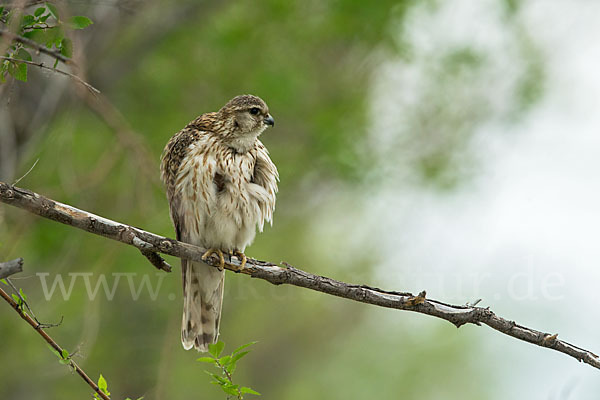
(221, 186)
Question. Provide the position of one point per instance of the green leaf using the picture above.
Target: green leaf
(239, 355)
(37, 35)
(53, 10)
(103, 386)
(245, 389)
(225, 360)
(80, 22)
(216, 349)
(23, 295)
(66, 47)
(209, 360)
(19, 72)
(4, 281)
(242, 347)
(65, 354)
(52, 349)
(44, 18)
(27, 20)
(231, 368)
(39, 11)
(230, 390)
(232, 364)
(14, 296)
(231, 385)
(23, 55)
(219, 380)
(53, 36)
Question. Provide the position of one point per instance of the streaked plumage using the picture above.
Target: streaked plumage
(221, 185)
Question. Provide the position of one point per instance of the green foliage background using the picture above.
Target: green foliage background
(313, 62)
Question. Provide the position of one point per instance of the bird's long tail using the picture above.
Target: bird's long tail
(202, 301)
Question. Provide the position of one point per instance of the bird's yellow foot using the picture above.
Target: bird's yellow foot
(219, 253)
(242, 257)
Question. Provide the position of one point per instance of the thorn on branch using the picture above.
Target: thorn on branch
(473, 304)
(549, 340)
(418, 299)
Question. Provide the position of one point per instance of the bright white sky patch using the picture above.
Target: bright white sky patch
(525, 234)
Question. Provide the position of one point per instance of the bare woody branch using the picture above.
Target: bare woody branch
(11, 267)
(35, 45)
(39, 328)
(286, 274)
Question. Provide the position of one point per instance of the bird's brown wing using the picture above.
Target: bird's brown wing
(188, 170)
(173, 154)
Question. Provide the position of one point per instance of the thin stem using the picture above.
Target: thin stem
(39, 329)
(33, 44)
(58, 71)
(229, 377)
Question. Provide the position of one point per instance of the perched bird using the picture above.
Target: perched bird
(221, 186)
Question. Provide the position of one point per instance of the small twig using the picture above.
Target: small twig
(156, 260)
(51, 325)
(27, 173)
(277, 275)
(24, 303)
(152, 256)
(27, 4)
(228, 375)
(58, 71)
(39, 328)
(39, 47)
(128, 138)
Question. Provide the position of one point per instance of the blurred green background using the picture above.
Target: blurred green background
(360, 102)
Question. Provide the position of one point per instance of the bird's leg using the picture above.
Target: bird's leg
(242, 257)
(219, 253)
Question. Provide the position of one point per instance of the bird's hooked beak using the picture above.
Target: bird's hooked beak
(269, 120)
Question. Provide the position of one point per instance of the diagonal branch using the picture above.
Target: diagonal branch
(39, 328)
(58, 71)
(37, 46)
(150, 243)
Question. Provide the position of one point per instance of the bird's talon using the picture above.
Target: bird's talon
(242, 257)
(219, 253)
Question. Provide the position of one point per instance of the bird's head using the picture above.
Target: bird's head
(246, 117)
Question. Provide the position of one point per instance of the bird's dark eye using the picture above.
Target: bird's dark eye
(254, 111)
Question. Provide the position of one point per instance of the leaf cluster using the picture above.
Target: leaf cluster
(227, 365)
(44, 26)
